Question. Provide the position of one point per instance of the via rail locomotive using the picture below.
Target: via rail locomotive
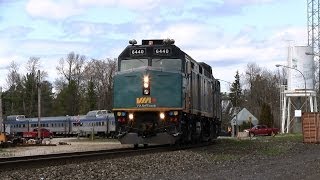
(99, 122)
(163, 96)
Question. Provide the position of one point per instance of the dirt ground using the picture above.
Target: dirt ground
(279, 157)
(262, 158)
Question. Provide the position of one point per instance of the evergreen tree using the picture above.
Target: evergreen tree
(73, 99)
(46, 99)
(60, 105)
(266, 116)
(30, 95)
(236, 91)
(91, 97)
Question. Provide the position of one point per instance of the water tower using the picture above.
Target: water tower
(299, 95)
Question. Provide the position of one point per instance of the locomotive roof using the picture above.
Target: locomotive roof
(149, 45)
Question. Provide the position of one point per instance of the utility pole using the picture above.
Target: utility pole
(1, 120)
(39, 104)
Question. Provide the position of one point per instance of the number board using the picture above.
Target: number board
(138, 51)
(162, 51)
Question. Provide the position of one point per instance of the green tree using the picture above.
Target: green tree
(47, 97)
(236, 91)
(30, 95)
(73, 99)
(266, 116)
(60, 104)
(91, 97)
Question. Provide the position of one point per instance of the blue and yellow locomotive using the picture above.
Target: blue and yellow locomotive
(163, 96)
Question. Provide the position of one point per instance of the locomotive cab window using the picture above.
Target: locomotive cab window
(168, 64)
(127, 64)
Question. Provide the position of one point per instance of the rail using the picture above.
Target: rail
(39, 161)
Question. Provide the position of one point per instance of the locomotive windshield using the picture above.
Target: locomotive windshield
(132, 64)
(167, 64)
(163, 64)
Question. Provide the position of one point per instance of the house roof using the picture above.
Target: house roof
(244, 116)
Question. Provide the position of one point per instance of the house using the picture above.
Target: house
(244, 116)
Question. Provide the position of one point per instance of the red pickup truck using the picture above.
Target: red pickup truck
(262, 130)
(45, 133)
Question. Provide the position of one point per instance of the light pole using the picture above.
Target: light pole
(304, 79)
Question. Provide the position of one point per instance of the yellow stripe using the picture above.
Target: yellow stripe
(144, 100)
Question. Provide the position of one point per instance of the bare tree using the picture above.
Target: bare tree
(33, 65)
(101, 73)
(262, 88)
(72, 67)
(13, 77)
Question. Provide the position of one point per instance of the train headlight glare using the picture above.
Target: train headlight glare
(162, 115)
(145, 85)
(175, 113)
(131, 116)
(146, 79)
(119, 113)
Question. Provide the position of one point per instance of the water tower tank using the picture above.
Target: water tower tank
(298, 59)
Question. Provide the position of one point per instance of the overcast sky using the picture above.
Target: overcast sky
(226, 34)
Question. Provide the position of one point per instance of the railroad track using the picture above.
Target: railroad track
(40, 161)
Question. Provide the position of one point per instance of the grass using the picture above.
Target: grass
(274, 151)
(288, 137)
(234, 149)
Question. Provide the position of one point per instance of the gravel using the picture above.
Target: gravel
(262, 158)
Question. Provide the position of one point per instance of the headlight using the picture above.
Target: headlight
(131, 116)
(146, 91)
(162, 115)
(146, 79)
(146, 85)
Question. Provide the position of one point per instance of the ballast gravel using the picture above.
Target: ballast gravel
(286, 160)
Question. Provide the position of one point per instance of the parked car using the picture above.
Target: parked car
(44, 133)
(262, 130)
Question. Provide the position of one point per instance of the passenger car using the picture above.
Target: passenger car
(262, 130)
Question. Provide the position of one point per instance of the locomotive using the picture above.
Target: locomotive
(163, 96)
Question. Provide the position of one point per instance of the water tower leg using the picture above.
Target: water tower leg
(315, 104)
(311, 103)
(283, 118)
(288, 114)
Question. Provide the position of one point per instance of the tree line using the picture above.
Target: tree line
(82, 85)
(256, 89)
(85, 84)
